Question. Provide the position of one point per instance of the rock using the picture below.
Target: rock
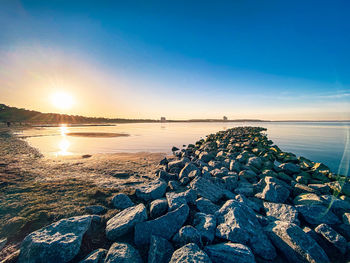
(206, 206)
(124, 222)
(190, 253)
(308, 199)
(235, 166)
(187, 234)
(174, 149)
(165, 226)
(96, 256)
(281, 212)
(205, 188)
(290, 168)
(206, 225)
(337, 205)
(3, 242)
(121, 201)
(206, 157)
(175, 200)
(231, 182)
(255, 205)
(247, 174)
(346, 218)
(317, 214)
(122, 253)
(58, 242)
(343, 229)
(273, 192)
(301, 189)
(189, 167)
(158, 208)
(13, 226)
(237, 222)
(333, 238)
(160, 250)
(295, 244)
(245, 188)
(230, 253)
(152, 190)
(256, 162)
(173, 185)
(96, 209)
(321, 188)
(178, 163)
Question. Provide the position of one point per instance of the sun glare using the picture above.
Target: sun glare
(62, 101)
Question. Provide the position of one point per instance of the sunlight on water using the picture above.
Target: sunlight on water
(64, 144)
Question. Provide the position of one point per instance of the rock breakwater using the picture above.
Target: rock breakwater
(233, 197)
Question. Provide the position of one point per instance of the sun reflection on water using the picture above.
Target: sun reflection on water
(64, 143)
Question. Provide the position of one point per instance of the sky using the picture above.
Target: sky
(271, 60)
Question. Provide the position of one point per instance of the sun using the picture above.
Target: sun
(62, 100)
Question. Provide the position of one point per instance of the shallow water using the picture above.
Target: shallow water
(319, 141)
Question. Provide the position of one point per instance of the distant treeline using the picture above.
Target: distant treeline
(24, 116)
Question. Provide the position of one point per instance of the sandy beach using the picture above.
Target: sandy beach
(37, 190)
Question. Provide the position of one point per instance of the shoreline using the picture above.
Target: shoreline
(238, 175)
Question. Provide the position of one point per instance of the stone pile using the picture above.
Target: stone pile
(233, 197)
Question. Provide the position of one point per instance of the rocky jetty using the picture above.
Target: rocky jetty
(233, 197)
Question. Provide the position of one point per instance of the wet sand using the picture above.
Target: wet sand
(38, 190)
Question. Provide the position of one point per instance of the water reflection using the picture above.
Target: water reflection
(63, 144)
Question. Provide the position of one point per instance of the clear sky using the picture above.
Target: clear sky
(179, 59)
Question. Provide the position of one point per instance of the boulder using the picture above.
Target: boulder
(253, 203)
(235, 166)
(206, 206)
(230, 253)
(178, 163)
(205, 188)
(96, 209)
(121, 201)
(346, 218)
(187, 234)
(189, 253)
(245, 188)
(230, 182)
(160, 250)
(317, 214)
(238, 223)
(333, 239)
(206, 225)
(125, 221)
(247, 174)
(290, 168)
(281, 212)
(255, 162)
(308, 199)
(158, 207)
(152, 190)
(206, 157)
(175, 200)
(189, 167)
(273, 191)
(165, 226)
(58, 242)
(295, 244)
(96, 256)
(122, 253)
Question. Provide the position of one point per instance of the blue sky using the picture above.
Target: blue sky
(182, 59)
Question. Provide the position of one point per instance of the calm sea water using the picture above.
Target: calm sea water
(319, 141)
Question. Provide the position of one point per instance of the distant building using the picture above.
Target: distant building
(162, 119)
(225, 118)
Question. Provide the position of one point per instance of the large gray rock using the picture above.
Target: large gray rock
(175, 200)
(317, 214)
(238, 223)
(206, 206)
(178, 163)
(273, 191)
(160, 250)
(96, 256)
(96, 209)
(206, 157)
(255, 162)
(165, 226)
(152, 190)
(231, 182)
(187, 234)
(206, 225)
(189, 167)
(58, 242)
(125, 221)
(230, 253)
(295, 244)
(333, 239)
(281, 212)
(205, 188)
(189, 253)
(290, 168)
(308, 199)
(158, 208)
(121, 201)
(122, 253)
